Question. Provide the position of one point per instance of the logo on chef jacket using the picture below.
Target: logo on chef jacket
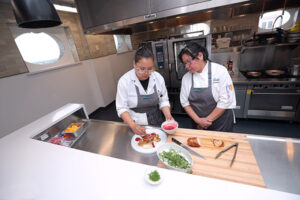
(216, 80)
(228, 89)
(145, 97)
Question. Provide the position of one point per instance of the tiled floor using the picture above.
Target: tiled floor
(248, 126)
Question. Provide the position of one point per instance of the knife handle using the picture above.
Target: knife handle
(176, 141)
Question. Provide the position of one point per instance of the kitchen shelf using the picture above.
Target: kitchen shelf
(241, 30)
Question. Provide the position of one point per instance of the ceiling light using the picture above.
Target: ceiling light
(35, 13)
(65, 8)
(247, 4)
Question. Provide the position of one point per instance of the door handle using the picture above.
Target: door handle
(266, 93)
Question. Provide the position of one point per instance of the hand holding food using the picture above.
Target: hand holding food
(139, 130)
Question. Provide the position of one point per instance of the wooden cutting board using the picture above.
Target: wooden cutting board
(244, 170)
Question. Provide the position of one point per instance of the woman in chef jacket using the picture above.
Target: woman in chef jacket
(142, 97)
(207, 92)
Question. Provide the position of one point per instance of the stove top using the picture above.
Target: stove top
(264, 75)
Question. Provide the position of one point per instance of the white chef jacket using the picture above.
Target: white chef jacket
(127, 97)
(222, 86)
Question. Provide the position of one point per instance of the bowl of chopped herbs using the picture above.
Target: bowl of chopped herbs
(175, 157)
(153, 176)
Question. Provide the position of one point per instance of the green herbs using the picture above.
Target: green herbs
(174, 159)
(154, 176)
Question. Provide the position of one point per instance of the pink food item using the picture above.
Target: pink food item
(56, 140)
(169, 126)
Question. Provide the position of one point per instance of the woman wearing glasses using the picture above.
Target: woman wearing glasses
(142, 97)
(207, 93)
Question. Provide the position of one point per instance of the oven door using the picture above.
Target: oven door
(273, 104)
(177, 69)
(160, 52)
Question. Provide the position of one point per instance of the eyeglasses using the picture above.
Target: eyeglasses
(189, 62)
(144, 71)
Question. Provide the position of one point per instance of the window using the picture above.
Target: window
(39, 48)
(267, 20)
(44, 49)
(285, 20)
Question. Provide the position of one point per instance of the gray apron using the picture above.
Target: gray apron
(203, 103)
(149, 104)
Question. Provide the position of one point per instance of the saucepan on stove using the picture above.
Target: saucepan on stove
(274, 72)
(254, 74)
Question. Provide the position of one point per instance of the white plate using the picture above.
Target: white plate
(163, 139)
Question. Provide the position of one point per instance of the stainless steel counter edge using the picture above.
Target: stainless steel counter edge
(278, 159)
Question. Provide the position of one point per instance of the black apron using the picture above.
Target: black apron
(149, 104)
(203, 103)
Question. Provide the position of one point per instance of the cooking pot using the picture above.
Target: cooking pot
(294, 70)
(274, 72)
(254, 74)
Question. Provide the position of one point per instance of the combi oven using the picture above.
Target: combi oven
(169, 66)
(166, 58)
(273, 101)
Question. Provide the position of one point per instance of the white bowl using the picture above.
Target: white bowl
(180, 150)
(148, 180)
(169, 122)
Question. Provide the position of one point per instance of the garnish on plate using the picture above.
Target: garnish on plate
(154, 176)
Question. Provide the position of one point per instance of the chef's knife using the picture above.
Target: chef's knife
(187, 148)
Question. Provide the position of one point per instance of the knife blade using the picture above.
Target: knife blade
(189, 149)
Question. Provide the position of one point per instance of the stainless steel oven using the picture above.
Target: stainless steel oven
(273, 101)
(169, 66)
(167, 62)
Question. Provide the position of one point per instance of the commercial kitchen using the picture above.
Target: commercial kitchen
(61, 137)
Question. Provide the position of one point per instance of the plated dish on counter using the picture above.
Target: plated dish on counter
(149, 142)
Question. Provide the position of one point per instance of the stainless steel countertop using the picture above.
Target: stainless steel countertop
(279, 161)
(277, 158)
(112, 139)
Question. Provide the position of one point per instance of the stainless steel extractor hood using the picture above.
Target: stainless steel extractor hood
(133, 16)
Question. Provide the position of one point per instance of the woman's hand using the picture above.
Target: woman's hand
(137, 129)
(167, 113)
(204, 123)
(169, 117)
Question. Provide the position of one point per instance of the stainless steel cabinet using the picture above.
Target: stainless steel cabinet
(100, 12)
(158, 5)
(240, 93)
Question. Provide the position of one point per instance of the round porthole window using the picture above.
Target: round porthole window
(267, 20)
(39, 48)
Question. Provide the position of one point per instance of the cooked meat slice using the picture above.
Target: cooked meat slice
(193, 142)
(218, 143)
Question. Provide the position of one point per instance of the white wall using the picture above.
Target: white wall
(25, 98)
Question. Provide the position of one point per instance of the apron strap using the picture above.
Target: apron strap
(209, 74)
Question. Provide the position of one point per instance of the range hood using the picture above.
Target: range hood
(135, 16)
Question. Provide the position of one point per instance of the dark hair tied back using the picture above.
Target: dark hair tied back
(142, 52)
(193, 49)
